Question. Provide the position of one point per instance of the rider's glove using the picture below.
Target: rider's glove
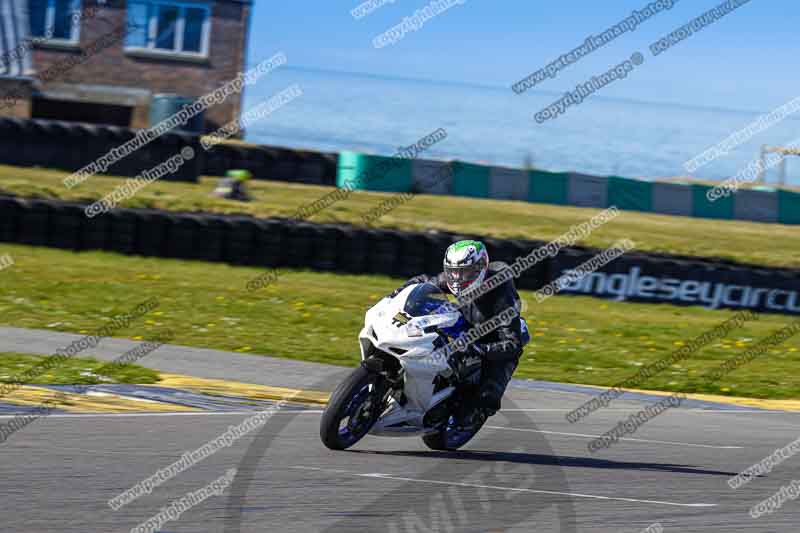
(476, 350)
(462, 360)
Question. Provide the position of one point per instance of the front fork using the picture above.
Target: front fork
(382, 383)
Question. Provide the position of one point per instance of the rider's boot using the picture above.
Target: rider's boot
(468, 415)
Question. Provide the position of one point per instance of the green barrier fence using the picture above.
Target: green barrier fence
(374, 172)
(703, 208)
(471, 180)
(387, 174)
(629, 194)
(548, 187)
(788, 207)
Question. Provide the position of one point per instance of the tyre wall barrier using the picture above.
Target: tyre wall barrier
(271, 163)
(244, 240)
(71, 146)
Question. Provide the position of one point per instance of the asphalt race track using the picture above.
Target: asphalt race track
(529, 470)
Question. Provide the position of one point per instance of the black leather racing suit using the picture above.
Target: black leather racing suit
(501, 348)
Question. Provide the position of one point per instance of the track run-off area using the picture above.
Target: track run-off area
(528, 470)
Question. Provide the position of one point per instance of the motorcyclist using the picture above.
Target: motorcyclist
(233, 186)
(466, 267)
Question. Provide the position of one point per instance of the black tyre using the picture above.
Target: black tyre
(353, 409)
(450, 438)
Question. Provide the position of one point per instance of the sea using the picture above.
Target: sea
(493, 125)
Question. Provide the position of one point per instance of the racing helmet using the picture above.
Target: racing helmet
(465, 265)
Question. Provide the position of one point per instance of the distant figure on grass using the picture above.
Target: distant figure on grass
(232, 186)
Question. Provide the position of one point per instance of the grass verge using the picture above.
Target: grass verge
(736, 240)
(317, 316)
(74, 371)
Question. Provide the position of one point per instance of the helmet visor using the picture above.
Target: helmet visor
(462, 276)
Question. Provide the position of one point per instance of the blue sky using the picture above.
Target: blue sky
(747, 60)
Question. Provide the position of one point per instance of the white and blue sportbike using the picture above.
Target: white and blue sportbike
(404, 386)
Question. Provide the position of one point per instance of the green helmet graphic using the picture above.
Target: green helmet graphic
(465, 265)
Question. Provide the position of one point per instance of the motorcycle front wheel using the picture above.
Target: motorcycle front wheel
(353, 409)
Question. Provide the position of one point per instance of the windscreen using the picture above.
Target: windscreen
(426, 299)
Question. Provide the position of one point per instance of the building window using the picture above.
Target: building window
(167, 26)
(56, 20)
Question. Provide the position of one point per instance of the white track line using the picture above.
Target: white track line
(182, 413)
(319, 411)
(621, 438)
(495, 487)
(695, 410)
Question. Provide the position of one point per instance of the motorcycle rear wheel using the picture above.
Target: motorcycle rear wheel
(450, 438)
